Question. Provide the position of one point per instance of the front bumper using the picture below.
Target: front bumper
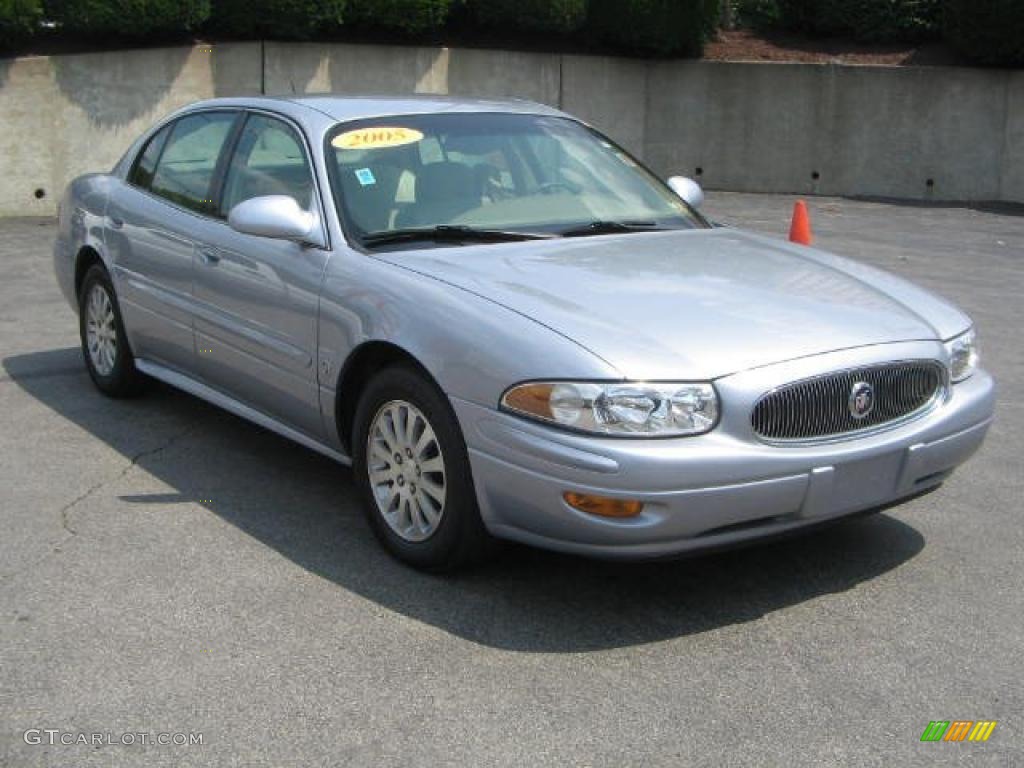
(719, 489)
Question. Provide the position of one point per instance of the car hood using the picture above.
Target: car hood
(696, 304)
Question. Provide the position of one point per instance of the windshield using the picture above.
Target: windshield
(498, 172)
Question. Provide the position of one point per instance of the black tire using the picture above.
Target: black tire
(460, 537)
(123, 379)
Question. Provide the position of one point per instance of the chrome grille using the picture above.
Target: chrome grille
(820, 407)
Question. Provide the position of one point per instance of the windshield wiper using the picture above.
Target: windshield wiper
(450, 233)
(612, 227)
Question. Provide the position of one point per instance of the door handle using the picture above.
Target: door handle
(209, 255)
(116, 223)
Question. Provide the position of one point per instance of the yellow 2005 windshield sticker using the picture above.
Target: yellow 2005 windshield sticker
(377, 137)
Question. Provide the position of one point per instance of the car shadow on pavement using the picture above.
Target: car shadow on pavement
(304, 506)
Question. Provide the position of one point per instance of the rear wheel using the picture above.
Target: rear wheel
(413, 472)
(104, 343)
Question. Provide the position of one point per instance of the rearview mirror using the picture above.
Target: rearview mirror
(275, 216)
(688, 189)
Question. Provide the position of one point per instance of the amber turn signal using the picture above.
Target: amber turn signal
(602, 506)
(533, 399)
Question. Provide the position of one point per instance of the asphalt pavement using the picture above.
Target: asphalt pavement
(166, 568)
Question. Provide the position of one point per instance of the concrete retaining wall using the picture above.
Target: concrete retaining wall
(906, 132)
(748, 127)
(66, 115)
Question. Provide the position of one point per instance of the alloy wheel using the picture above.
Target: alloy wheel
(406, 470)
(101, 330)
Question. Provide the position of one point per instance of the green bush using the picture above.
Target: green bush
(659, 27)
(711, 11)
(18, 20)
(413, 17)
(987, 31)
(758, 14)
(557, 16)
(275, 19)
(127, 18)
(865, 20)
(885, 20)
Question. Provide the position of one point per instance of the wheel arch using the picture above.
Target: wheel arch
(86, 257)
(362, 363)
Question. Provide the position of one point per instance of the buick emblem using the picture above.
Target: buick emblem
(862, 400)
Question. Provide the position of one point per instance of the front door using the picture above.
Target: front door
(257, 298)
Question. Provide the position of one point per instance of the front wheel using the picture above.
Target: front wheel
(412, 469)
(104, 343)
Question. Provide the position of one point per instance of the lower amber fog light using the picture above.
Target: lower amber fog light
(605, 507)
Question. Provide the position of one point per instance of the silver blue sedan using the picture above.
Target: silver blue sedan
(510, 328)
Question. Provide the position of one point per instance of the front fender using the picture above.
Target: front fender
(474, 348)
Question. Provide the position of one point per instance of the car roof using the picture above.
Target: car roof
(343, 108)
(318, 113)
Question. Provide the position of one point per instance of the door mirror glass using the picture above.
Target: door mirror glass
(688, 189)
(274, 216)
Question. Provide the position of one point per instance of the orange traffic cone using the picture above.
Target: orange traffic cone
(800, 231)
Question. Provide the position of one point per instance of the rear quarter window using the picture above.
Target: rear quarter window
(142, 173)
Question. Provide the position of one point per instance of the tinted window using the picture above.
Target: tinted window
(186, 168)
(142, 174)
(269, 160)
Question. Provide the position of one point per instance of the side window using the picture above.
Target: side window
(142, 173)
(186, 168)
(268, 160)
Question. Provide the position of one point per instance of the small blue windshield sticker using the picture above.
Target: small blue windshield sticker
(365, 176)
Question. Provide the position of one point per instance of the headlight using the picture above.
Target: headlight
(622, 409)
(963, 356)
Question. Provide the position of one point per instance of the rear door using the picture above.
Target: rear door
(154, 218)
(257, 298)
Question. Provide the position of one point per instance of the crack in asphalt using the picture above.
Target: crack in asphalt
(65, 511)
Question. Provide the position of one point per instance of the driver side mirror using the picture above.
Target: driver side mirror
(275, 216)
(688, 189)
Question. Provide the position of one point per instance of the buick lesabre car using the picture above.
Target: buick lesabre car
(510, 328)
